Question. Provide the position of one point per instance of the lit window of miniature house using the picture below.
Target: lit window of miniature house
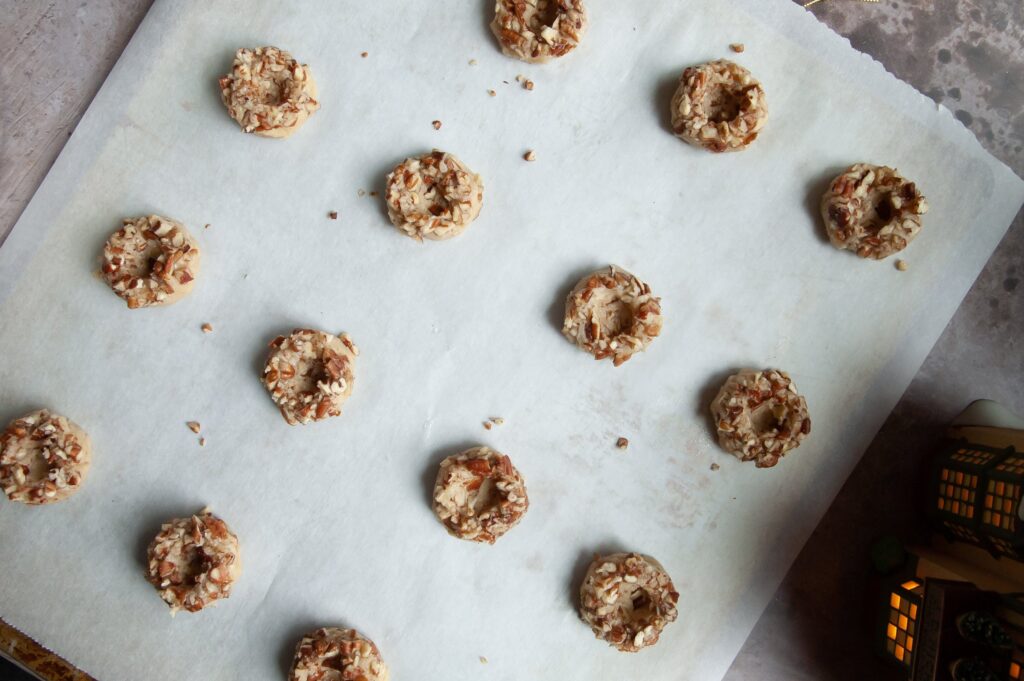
(904, 603)
(977, 491)
(1002, 505)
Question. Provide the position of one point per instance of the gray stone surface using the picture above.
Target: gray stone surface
(966, 54)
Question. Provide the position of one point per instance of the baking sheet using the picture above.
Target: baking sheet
(334, 518)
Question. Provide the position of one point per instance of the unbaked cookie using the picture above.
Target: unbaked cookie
(719, 106)
(194, 561)
(269, 93)
(43, 458)
(760, 416)
(612, 314)
(479, 495)
(434, 196)
(872, 211)
(310, 374)
(150, 261)
(627, 599)
(336, 654)
(537, 30)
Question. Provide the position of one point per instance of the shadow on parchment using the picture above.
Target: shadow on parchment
(149, 522)
(709, 389)
(486, 17)
(583, 560)
(556, 310)
(666, 87)
(816, 188)
(16, 408)
(375, 182)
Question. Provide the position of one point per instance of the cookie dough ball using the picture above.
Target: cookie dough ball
(760, 416)
(150, 261)
(872, 211)
(612, 314)
(537, 30)
(718, 106)
(479, 495)
(194, 561)
(627, 599)
(434, 196)
(335, 654)
(43, 458)
(269, 93)
(310, 374)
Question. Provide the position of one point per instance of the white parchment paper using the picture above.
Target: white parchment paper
(334, 518)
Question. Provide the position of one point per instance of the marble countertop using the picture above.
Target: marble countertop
(965, 54)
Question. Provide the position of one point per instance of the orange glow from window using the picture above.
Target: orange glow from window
(892, 631)
(899, 653)
(903, 622)
(910, 586)
(894, 601)
(913, 611)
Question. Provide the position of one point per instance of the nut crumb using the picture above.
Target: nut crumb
(333, 215)
(207, 327)
(488, 425)
(202, 442)
(206, 226)
(715, 466)
(492, 93)
(737, 47)
(373, 193)
(528, 85)
(361, 192)
(497, 420)
(437, 125)
(364, 55)
(530, 156)
(193, 426)
(472, 62)
(483, 660)
(901, 265)
(622, 443)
